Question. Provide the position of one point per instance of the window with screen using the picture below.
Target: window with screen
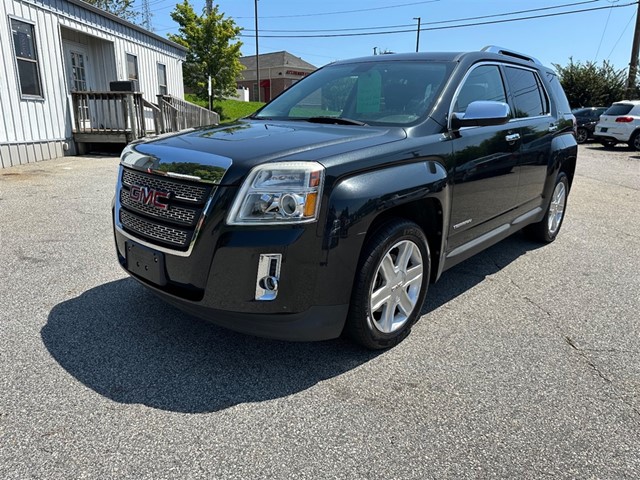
(132, 67)
(25, 51)
(162, 79)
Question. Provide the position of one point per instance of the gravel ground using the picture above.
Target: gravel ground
(526, 363)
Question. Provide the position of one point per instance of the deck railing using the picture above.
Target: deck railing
(109, 116)
(121, 117)
(179, 114)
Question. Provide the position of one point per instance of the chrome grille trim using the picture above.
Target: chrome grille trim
(158, 232)
(184, 216)
(181, 191)
(167, 234)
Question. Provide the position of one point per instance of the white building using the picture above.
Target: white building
(54, 48)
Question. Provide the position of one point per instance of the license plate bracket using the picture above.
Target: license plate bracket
(146, 263)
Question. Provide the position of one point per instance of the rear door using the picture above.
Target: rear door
(532, 111)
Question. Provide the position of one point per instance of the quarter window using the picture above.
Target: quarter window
(528, 95)
(24, 48)
(483, 83)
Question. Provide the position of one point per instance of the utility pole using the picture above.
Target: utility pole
(208, 7)
(146, 15)
(633, 64)
(418, 33)
(257, 55)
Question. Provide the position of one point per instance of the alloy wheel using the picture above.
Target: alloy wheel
(396, 286)
(556, 208)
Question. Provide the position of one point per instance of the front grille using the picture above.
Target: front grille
(182, 191)
(173, 227)
(181, 215)
(152, 230)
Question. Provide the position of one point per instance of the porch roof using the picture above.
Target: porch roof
(115, 18)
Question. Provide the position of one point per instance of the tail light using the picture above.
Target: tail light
(624, 119)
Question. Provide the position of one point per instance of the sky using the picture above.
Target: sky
(585, 30)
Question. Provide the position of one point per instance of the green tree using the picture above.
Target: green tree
(211, 51)
(589, 85)
(121, 8)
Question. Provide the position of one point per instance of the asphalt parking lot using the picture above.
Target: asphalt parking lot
(526, 363)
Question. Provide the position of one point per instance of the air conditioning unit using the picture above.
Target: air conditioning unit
(124, 86)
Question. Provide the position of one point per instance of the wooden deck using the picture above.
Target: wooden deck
(122, 117)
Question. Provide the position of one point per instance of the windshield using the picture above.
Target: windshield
(374, 93)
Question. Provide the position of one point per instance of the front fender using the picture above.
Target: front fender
(354, 204)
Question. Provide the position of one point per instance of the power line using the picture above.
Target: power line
(621, 35)
(604, 30)
(494, 22)
(344, 11)
(440, 22)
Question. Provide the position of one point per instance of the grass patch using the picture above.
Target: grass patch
(229, 110)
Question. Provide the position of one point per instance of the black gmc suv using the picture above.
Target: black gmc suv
(333, 207)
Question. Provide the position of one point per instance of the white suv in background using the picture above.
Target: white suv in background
(620, 124)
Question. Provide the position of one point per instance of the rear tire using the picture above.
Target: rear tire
(390, 285)
(582, 135)
(547, 229)
(634, 143)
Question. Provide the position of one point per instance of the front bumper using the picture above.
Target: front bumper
(217, 281)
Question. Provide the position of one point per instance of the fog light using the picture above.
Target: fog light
(268, 276)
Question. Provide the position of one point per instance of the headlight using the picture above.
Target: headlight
(279, 193)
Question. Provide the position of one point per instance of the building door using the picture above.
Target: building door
(79, 79)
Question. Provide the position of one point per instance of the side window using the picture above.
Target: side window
(132, 67)
(528, 95)
(24, 49)
(483, 83)
(558, 93)
(162, 79)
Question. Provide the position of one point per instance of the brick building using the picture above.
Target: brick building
(278, 71)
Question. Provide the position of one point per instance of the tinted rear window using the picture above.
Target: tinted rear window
(619, 109)
(562, 104)
(527, 93)
(582, 112)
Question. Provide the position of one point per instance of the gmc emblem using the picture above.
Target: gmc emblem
(148, 196)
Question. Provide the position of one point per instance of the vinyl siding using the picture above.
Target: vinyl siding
(34, 129)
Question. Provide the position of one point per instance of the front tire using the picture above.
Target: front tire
(548, 228)
(390, 286)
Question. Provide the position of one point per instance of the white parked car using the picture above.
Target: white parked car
(620, 124)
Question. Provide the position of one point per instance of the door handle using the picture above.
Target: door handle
(553, 128)
(512, 137)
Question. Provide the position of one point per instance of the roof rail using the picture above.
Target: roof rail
(510, 53)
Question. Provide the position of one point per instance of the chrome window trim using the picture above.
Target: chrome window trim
(504, 84)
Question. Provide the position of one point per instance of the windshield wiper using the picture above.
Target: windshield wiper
(335, 121)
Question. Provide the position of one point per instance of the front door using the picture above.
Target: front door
(78, 79)
(486, 159)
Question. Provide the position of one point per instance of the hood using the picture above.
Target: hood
(224, 155)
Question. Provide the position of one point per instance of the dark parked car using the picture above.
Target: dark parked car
(586, 119)
(333, 207)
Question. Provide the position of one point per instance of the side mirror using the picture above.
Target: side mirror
(481, 113)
